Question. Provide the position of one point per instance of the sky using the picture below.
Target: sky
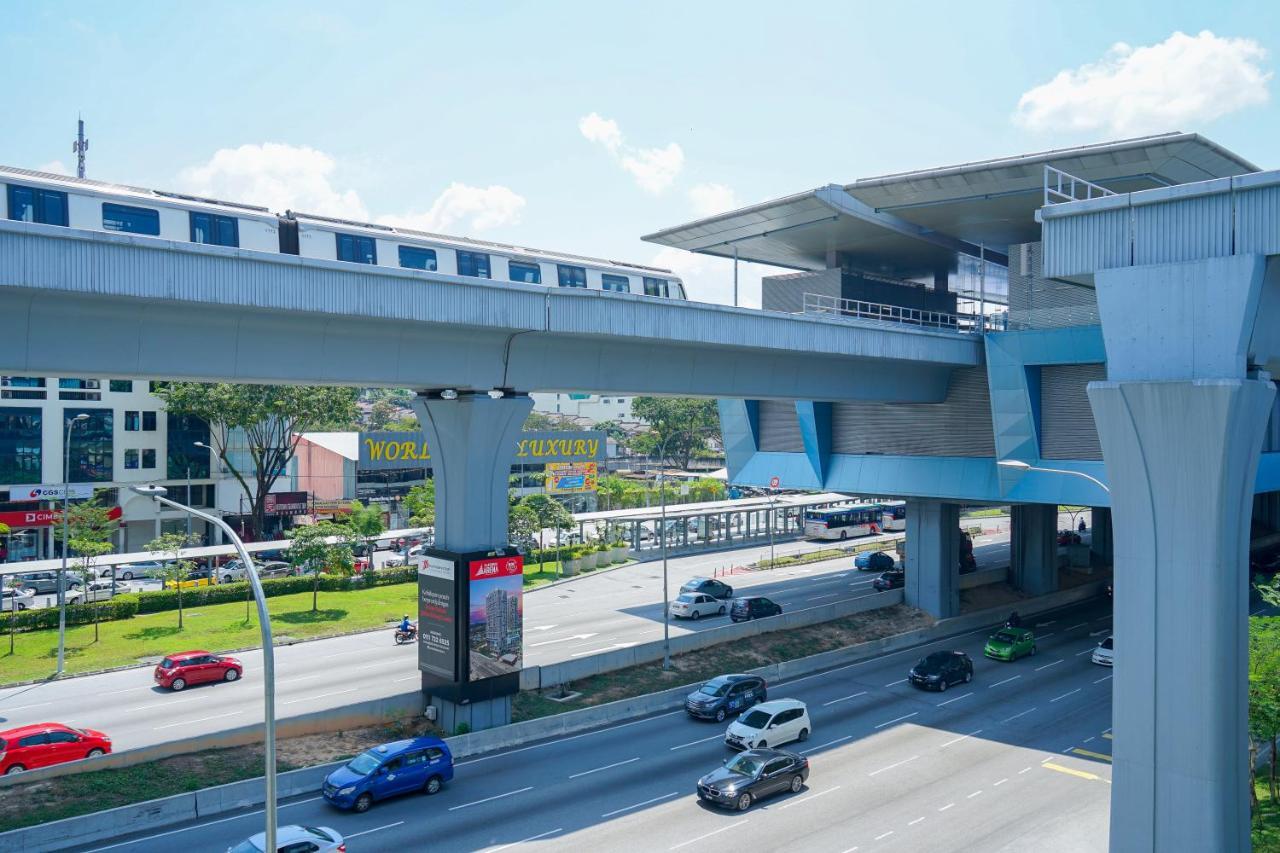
(579, 127)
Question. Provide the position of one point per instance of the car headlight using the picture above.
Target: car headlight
(933, 677)
(350, 789)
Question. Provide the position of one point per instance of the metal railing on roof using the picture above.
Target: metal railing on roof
(1061, 187)
(878, 312)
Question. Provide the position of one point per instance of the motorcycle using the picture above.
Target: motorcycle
(409, 636)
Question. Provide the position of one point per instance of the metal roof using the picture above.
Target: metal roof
(125, 189)
(912, 222)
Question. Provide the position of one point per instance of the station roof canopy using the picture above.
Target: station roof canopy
(916, 222)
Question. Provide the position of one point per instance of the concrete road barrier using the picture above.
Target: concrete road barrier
(984, 577)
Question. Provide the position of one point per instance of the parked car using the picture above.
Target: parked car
(753, 607)
(709, 586)
(129, 571)
(16, 598)
(45, 744)
(770, 723)
(874, 561)
(293, 838)
(277, 569)
(234, 570)
(725, 695)
(695, 605)
(193, 578)
(98, 590)
(1104, 654)
(1010, 644)
(1069, 537)
(177, 672)
(401, 767)
(940, 670)
(46, 583)
(753, 775)
(892, 579)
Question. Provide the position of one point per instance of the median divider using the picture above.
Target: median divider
(984, 577)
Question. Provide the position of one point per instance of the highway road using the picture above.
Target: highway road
(587, 615)
(1017, 760)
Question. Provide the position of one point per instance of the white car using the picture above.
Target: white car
(312, 839)
(769, 724)
(129, 571)
(695, 605)
(98, 590)
(1105, 651)
(16, 598)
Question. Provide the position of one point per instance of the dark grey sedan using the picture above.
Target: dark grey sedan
(753, 775)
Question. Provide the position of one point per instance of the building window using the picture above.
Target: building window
(20, 445)
(132, 422)
(131, 459)
(215, 230)
(148, 421)
(474, 264)
(91, 446)
(655, 286)
(572, 276)
(22, 388)
(121, 386)
(528, 273)
(616, 283)
(148, 458)
(182, 432)
(132, 220)
(413, 258)
(79, 395)
(357, 250)
(28, 204)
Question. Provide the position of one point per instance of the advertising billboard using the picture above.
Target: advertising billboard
(571, 477)
(495, 618)
(437, 617)
(387, 450)
(285, 503)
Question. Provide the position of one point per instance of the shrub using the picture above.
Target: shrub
(123, 606)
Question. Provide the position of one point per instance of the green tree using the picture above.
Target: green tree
(408, 423)
(545, 421)
(680, 427)
(311, 551)
(381, 413)
(522, 524)
(89, 530)
(1264, 697)
(611, 490)
(547, 513)
(272, 418)
(420, 504)
(613, 429)
(175, 568)
(366, 523)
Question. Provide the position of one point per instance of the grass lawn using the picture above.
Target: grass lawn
(216, 627)
(1266, 824)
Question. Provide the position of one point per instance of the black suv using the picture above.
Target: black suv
(753, 607)
(725, 695)
(940, 670)
(892, 579)
(709, 586)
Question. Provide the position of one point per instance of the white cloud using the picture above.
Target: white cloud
(710, 199)
(1178, 83)
(710, 279)
(480, 208)
(54, 167)
(654, 169)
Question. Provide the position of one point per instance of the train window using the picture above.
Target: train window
(356, 250)
(572, 276)
(29, 204)
(528, 273)
(616, 283)
(215, 230)
(413, 258)
(132, 220)
(655, 286)
(474, 264)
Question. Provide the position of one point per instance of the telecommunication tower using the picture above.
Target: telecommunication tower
(80, 146)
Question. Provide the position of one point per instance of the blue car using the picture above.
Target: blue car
(873, 561)
(402, 767)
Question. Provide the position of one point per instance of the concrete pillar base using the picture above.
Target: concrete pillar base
(1033, 548)
(933, 558)
(474, 716)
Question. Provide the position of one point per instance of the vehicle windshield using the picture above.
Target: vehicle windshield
(934, 660)
(246, 847)
(364, 763)
(744, 764)
(1109, 643)
(1005, 637)
(694, 583)
(715, 688)
(167, 663)
(757, 719)
(687, 598)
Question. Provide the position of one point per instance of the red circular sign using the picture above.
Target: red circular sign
(774, 482)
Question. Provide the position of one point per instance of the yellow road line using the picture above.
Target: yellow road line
(1107, 735)
(1071, 772)
(1087, 753)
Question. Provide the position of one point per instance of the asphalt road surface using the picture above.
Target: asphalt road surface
(1017, 760)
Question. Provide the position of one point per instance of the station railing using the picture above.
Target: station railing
(878, 312)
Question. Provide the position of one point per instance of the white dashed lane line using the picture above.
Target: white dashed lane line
(1016, 716)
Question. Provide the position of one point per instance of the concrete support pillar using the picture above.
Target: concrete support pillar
(1033, 548)
(1179, 698)
(472, 441)
(1100, 541)
(933, 557)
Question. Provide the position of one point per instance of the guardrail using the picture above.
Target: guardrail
(878, 312)
(1061, 187)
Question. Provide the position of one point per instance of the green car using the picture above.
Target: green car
(1010, 644)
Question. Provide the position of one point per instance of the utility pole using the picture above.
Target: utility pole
(80, 146)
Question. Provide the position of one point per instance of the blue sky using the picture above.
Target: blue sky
(469, 118)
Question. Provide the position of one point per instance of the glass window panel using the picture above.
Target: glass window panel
(616, 283)
(121, 386)
(228, 231)
(572, 276)
(414, 258)
(183, 431)
(20, 445)
(148, 421)
(655, 286)
(90, 458)
(22, 204)
(201, 231)
(527, 273)
(132, 422)
(133, 220)
(475, 264)
(148, 458)
(53, 208)
(131, 459)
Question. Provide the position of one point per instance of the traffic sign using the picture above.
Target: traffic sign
(774, 482)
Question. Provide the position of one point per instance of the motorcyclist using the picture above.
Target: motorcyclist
(1014, 620)
(1082, 525)
(405, 625)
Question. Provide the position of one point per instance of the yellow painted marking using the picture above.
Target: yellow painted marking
(1107, 735)
(1070, 772)
(1087, 753)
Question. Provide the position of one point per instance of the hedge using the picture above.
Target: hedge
(123, 606)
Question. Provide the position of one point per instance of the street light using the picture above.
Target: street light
(1019, 465)
(62, 575)
(157, 493)
(200, 444)
(666, 597)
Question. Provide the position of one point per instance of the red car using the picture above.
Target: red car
(43, 744)
(177, 672)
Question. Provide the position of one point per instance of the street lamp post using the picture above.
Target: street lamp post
(1019, 465)
(157, 493)
(62, 574)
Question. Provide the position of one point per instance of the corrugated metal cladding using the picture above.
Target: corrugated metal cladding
(1036, 302)
(1080, 244)
(1258, 221)
(1067, 430)
(959, 426)
(786, 292)
(1167, 232)
(779, 427)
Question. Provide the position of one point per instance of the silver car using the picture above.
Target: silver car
(144, 569)
(16, 599)
(313, 839)
(695, 605)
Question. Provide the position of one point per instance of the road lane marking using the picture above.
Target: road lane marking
(1097, 633)
(562, 640)
(709, 834)
(606, 767)
(320, 696)
(1001, 782)
(1023, 770)
(491, 799)
(1102, 679)
(566, 739)
(523, 840)
(954, 699)
(947, 806)
(820, 597)
(1006, 681)
(1085, 652)
(1088, 753)
(303, 678)
(1044, 636)
(1016, 716)
(1046, 666)
(899, 681)
(1048, 765)
(638, 805)
(974, 794)
(891, 766)
(1256, 612)
(413, 677)
(37, 705)
(914, 822)
(151, 704)
(1107, 735)
(1081, 625)
(884, 835)
(193, 722)
(601, 651)
(1065, 695)
(1046, 624)
(1086, 740)
(693, 742)
(962, 737)
(844, 698)
(809, 797)
(376, 829)
(898, 719)
(828, 743)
